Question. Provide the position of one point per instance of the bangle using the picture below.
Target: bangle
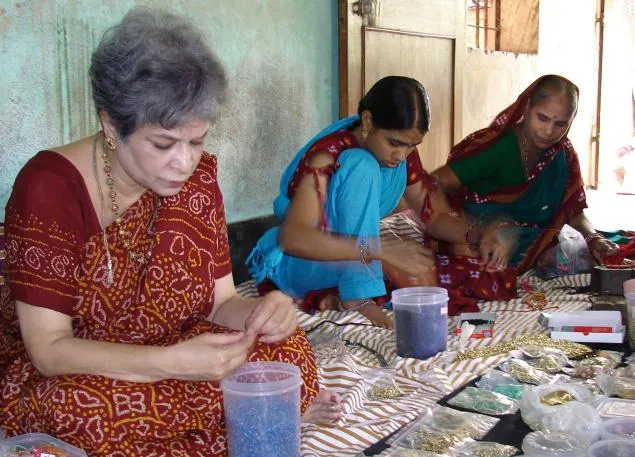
(591, 237)
(364, 250)
(358, 306)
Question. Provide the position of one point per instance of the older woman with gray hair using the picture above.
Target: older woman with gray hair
(121, 314)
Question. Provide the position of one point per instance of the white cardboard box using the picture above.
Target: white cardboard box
(617, 337)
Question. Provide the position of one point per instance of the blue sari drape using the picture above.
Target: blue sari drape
(360, 193)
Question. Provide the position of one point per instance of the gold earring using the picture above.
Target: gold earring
(111, 143)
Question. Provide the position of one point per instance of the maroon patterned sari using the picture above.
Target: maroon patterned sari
(56, 260)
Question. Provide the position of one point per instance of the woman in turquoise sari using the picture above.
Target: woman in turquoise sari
(334, 193)
(524, 167)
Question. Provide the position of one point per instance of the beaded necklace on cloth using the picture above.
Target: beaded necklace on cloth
(137, 256)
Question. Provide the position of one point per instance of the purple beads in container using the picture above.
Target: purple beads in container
(421, 321)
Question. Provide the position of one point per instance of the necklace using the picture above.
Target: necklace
(136, 256)
(523, 153)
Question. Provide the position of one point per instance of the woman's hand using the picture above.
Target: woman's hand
(498, 242)
(274, 318)
(209, 356)
(411, 257)
(600, 247)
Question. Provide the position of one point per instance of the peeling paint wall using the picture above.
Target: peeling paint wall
(280, 56)
(493, 80)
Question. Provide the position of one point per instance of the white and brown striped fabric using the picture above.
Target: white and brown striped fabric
(365, 421)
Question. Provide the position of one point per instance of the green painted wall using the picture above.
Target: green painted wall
(280, 56)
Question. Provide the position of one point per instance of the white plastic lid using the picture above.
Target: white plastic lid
(552, 444)
(30, 441)
(418, 296)
(619, 428)
(262, 378)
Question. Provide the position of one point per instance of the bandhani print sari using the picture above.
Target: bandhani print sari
(56, 260)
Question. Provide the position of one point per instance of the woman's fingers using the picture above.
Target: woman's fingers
(285, 327)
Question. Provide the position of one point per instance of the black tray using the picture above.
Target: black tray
(510, 429)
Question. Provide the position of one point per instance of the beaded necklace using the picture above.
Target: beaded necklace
(136, 256)
(523, 153)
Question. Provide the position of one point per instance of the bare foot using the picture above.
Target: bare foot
(330, 302)
(377, 316)
(373, 313)
(325, 409)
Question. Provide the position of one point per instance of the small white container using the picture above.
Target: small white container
(31, 441)
(553, 444)
(612, 448)
(620, 428)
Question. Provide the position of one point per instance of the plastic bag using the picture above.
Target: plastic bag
(327, 345)
(380, 384)
(611, 408)
(561, 408)
(524, 372)
(570, 256)
(551, 363)
(613, 383)
(501, 383)
(442, 430)
(403, 452)
(484, 401)
(485, 449)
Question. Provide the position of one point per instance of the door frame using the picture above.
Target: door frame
(351, 60)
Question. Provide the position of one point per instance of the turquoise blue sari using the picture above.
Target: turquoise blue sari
(360, 193)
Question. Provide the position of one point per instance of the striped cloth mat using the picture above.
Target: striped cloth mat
(424, 382)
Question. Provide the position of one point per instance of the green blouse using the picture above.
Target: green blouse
(499, 166)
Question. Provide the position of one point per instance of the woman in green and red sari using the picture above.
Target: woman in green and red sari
(524, 168)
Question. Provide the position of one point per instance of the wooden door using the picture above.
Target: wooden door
(423, 39)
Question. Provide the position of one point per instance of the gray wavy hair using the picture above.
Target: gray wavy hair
(155, 68)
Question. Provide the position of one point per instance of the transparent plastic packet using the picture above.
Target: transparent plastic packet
(484, 401)
(484, 449)
(380, 384)
(611, 408)
(613, 383)
(550, 363)
(588, 368)
(577, 419)
(533, 351)
(404, 452)
(441, 429)
(327, 345)
(564, 408)
(614, 356)
(587, 372)
(589, 383)
(596, 361)
(502, 383)
(629, 371)
(423, 437)
(524, 372)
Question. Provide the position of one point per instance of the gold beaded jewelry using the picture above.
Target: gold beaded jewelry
(571, 349)
(385, 393)
(139, 257)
